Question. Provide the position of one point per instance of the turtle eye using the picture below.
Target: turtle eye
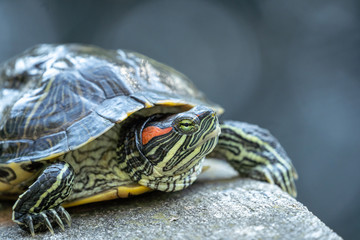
(187, 126)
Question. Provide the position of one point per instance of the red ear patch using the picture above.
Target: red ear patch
(152, 131)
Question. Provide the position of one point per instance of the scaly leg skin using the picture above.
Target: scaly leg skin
(39, 207)
(255, 153)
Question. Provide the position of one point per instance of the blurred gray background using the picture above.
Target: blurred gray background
(289, 66)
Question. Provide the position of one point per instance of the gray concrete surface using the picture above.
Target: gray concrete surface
(217, 206)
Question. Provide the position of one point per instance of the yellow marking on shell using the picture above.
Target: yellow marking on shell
(5, 187)
(21, 176)
(53, 187)
(148, 105)
(37, 105)
(80, 93)
(88, 141)
(174, 104)
(128, 114)
(50, 143)
(119, 192)
(51, 156)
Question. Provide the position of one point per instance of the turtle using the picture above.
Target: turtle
(81, 124)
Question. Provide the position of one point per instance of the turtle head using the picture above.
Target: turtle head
(174, 146)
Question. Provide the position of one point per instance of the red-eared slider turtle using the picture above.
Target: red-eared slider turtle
(80, 124)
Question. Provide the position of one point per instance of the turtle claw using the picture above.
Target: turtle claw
(29, 223)
(57, 219)
(47, 222)
(65, 215)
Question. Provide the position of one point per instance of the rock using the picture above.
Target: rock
(217, 206)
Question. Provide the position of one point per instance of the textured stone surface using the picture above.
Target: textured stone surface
(218, 206)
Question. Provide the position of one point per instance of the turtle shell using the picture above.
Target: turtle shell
(56, 98)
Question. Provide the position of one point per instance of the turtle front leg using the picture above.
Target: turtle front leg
(255, 153)
(39, 206)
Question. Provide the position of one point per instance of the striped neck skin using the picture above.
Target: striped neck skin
(166, 152)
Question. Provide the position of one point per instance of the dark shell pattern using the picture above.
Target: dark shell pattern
(56, 98)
